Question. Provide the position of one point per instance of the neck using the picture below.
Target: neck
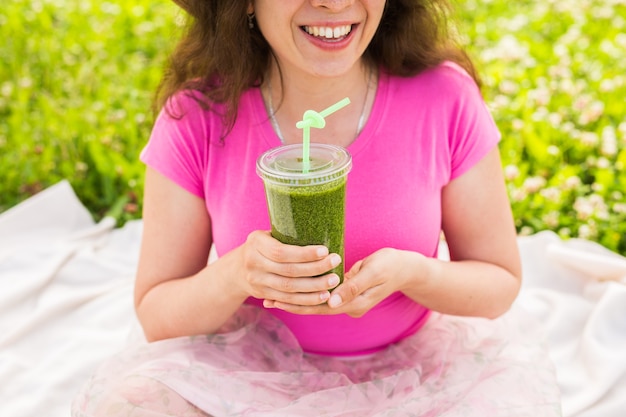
(290, 99)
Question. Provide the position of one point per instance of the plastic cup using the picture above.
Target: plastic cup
(307, 208)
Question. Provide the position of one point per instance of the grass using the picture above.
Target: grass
(78, 76)
(555, 77)
(75, 97)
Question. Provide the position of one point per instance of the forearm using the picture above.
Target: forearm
(465, 288)
(199, 304)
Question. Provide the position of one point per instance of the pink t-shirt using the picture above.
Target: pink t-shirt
(423, 132)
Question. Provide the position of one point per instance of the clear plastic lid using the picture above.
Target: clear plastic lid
(283, 165)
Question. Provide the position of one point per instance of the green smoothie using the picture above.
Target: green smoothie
(307, 208)
(313, 215)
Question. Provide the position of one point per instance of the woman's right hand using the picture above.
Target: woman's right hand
(178, 293)
(274, 271)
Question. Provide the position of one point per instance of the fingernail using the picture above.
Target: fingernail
(333, 280)
(323, 251)
(268, 304)
(335, 260)
(335, 300)
(324, 296)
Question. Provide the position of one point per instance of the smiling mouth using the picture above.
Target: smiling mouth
(328, 33)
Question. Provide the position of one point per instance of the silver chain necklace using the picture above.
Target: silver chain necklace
(276, 126)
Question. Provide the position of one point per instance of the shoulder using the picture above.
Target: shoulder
(446, 80)
(193, 108)
(187, 104)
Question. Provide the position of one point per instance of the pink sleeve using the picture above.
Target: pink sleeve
(177, 145)
(473, 132)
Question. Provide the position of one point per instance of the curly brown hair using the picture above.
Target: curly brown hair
(220, 56)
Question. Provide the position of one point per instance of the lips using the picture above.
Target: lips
(328, 33)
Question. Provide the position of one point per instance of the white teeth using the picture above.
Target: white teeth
(328, 32)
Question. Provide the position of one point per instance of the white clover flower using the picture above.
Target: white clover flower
(110, 8)
(582, 102)
(568, 127)
(180, 20)
(572, 182)
(540, 96)
(609, 141)
(117, 115)
(502, 101)
(584, 232)
(568, 86)
(6, 89)
(508, 87)
(518, 22)
(553, 150)
(583, 208)
(81, 166)
(562, 70)
(609, 48)
(551, 194)
(533, 184)
(596, 199)
(607, 85)
(526, 231)
(560, 50)
(518, 194)
(598, 188)
(589, 138)
(509, 48)
(604, 11)
(551, 219)
(591, 206)
(25, 82)
(511, 172)
(555, 119)
(603, 215)
(619, 208)
(540, 114)
(517, 124)
(592, 112)
(573, 32)
(145, 28)
(603, 163)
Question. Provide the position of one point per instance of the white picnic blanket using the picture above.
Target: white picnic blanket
(66, 305)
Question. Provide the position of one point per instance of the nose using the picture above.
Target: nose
(334, 5)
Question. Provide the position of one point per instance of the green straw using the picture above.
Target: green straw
(310, 119)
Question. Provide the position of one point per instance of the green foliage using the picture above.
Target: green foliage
(76, 86)
(555, 79)
(77, 79)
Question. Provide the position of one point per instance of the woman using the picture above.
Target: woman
(262, 330)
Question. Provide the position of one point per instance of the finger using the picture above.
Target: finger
(281, 287)
(307, 269)
(279, 252)
(354, 270)
(354, 285)
(301, 291)
(301, 300)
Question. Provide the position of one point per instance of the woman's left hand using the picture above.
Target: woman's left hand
(368, 282)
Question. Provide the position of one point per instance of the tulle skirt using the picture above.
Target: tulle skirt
(452, 367)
